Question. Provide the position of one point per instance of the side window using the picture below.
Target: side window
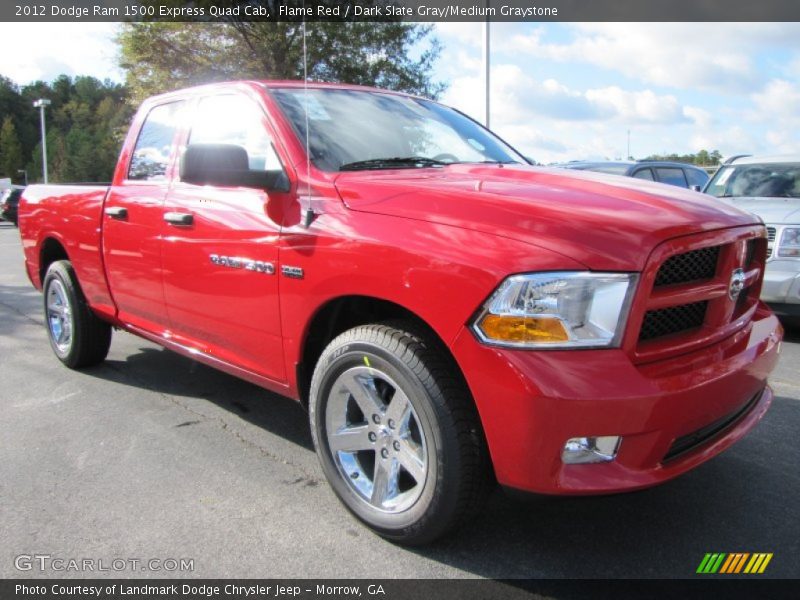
(696, 177)
(672, 176)
(644, 174)
(235, 120)
(155, 144)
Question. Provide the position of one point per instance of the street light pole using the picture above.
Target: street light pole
(486, 67)
(41, 103)
(629, 145)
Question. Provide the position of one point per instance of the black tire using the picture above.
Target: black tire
(442, 426)
(90, 337)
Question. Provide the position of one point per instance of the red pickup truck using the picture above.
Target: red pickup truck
(450, 315)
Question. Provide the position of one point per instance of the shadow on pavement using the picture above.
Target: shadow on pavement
(165, 372)
(791, 327)
(743, 501)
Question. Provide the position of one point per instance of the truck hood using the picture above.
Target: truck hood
(604, 221)
(780, 211)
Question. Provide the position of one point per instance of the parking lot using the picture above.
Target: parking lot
(152, 456)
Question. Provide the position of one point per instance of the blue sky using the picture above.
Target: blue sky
(572, 91)
(559, 91)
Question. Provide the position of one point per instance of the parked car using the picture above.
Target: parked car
(450, 315)
(672, 173)
(769, 186)
(9, 203)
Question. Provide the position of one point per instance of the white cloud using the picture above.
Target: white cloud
(700, 117)
(729, 140)
(469, 34)
(523, 97)
(637, 106)
(523, 106)
(777, 106)
(709, 56)
(779, 101)
(32, 51)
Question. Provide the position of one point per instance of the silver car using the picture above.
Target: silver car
(770, 188)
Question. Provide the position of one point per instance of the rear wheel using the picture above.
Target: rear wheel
(77, 336)
(397, 434)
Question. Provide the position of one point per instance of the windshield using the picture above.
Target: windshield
(756, 180)
(356, 129)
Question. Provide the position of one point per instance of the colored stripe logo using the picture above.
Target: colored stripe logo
(734, 563)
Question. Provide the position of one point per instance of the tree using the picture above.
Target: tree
(86, 123)
(10, 149)
(703, 158)
(159, 57)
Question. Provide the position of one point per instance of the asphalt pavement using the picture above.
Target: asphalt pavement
(153, 456)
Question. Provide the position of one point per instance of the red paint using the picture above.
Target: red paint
(436, 242)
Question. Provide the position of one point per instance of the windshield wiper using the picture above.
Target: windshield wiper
(390, 163)
(499, 162)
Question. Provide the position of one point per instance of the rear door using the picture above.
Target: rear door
(696, 177)
(672, 176)
(132, 222)
(220, 252)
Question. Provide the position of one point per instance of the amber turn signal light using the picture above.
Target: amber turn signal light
(515, 329)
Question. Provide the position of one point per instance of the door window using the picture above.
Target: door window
(672, 176)
(155, 143)
(696, 177)
(644, 174)
(235, 120)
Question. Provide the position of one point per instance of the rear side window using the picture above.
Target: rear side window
(696, 177)
(155, 144)
(672, 176)
(644, 174)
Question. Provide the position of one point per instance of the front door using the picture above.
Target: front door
(220, 249)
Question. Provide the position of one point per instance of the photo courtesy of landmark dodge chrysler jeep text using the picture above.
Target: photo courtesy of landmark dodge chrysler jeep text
(450, 315)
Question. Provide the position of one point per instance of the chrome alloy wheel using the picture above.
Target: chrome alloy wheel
(376, 440)
(59, 316)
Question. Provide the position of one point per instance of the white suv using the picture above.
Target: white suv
(769, 187)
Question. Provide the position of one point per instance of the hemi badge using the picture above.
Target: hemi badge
(293, 272)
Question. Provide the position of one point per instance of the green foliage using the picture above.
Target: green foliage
(703, 158)
(88, 118)
(10, 149)
(160, 57)
(86, 124)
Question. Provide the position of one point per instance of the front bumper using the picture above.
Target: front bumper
(781, 288)
(532, 402)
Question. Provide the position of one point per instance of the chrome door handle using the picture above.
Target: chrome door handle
(117, 212)
(179, 218)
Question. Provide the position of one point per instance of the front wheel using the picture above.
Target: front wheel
(397, 434)
(77, 336)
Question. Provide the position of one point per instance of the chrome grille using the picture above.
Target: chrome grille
(770, 234)
(771, 231)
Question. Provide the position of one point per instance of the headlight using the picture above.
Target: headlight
(558, 310)
(790, 243)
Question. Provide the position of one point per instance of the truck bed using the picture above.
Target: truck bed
(70, 214)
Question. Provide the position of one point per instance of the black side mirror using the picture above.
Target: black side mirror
(695, 188)
(227, 164)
